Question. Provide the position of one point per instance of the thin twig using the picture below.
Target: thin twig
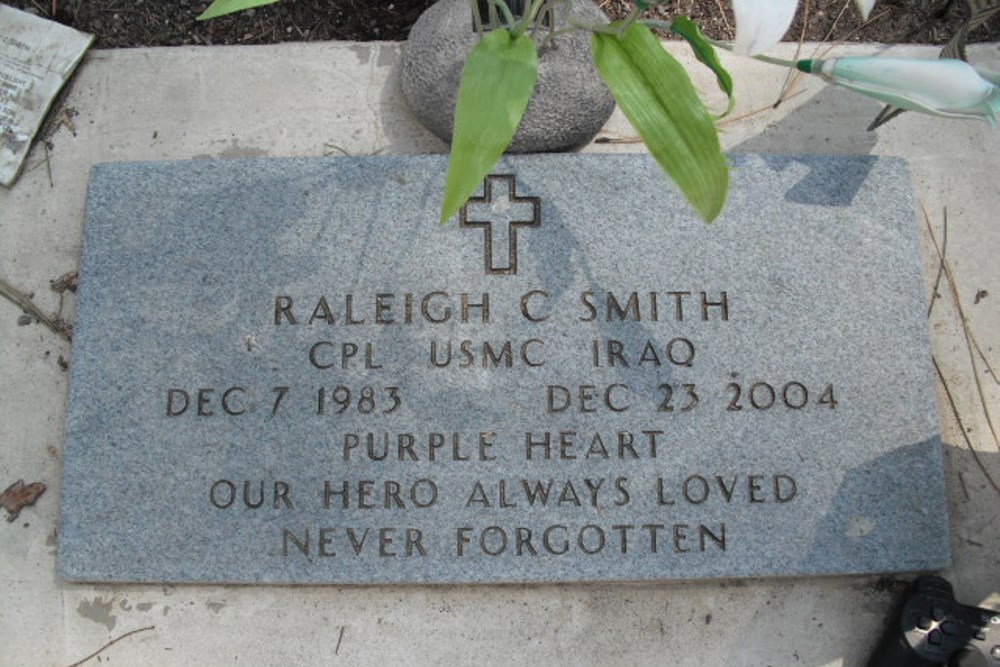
(970, 343)
(769, 107)
(965, 489)
(836, 21)
(791, 76)
(340, 638)
(986, 362)
(112, 643)
(961, 427)
(820, 51)
(48, 164)
(941, 253)
(942, 269)
(725, 19)
(796, 75)
(22, 301)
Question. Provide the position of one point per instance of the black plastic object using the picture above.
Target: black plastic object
(931, 628)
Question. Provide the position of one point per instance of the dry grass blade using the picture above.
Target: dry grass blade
(20, 299)
(970, 340)
(961, 428)
(941, 253)
(110, 644)
(945, 270)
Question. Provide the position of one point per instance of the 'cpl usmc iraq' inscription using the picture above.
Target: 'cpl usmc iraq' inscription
(584, 391)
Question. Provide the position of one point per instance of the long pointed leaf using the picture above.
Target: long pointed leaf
(656, 95)
(223, 7)
(497, 82)
(705, 54)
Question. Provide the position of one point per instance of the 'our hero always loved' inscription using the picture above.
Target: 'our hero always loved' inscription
(285, 371)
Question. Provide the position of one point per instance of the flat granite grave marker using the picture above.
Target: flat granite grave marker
(286, 371)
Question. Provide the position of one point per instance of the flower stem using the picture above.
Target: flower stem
(780, 62)
(663, 25)
(546, 7)
(508, 17)
(529, 15)
(579, 24)
(477, 19)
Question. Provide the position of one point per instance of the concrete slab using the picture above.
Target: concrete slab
(300, 100)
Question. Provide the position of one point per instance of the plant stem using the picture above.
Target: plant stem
(493, 16)
(508, 17)
(545, 7)
(579, 24)
(663, 25)
(780, 62)
(477, 19)
(632, 16)
(555, 33)
(531, 11)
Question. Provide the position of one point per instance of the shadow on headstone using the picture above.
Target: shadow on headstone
(576, 274)
(911, 472)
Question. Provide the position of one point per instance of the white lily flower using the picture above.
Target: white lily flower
(940, 87)
(760, 24)
(865, 7)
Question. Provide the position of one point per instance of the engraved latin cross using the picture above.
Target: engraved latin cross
(501, 205)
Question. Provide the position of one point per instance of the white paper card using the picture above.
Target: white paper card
(37, 56)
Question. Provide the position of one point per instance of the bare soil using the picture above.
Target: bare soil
(134, 23)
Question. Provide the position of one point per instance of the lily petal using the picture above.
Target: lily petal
(940, 87)
(865, 7)
(760, 24)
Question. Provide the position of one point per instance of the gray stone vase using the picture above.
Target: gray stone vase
(570, 103)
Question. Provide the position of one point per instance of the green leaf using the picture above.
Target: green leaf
(704, 52)
(223, 7)
(646, 4)
(655, 94)
(497, 81)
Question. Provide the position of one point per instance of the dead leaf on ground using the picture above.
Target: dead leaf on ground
(67, 281)
(19, 495)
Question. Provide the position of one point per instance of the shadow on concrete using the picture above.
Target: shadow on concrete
(400, 129)
(818, 127)
(832, 122)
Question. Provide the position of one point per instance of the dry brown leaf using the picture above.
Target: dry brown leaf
(19, 495)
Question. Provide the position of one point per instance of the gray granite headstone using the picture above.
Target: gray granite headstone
(286, 371)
